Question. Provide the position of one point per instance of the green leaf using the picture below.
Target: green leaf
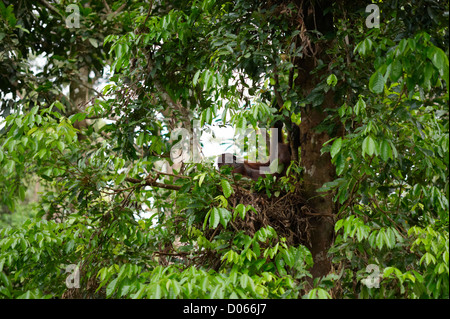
(93, 42)
(418, 276)
(336, 147)
(6, 281)
(9, 166)
(368, 146)
(287, 105)
(323, 294)
(386, 151)
(244, 280)
(396, 70)
(69, 246)
(226, 187)
(27, 295)
(120, 178)
(111, 288)
(214, 218)
(380, 239)
(360, 106)
(195, 79)
(332, 80)
(60, 145)
(429, 258)
(200, 178)
(155, 291)
(390, 238)
(364, 47)
(22, 192)
(340, 164)
(204, 284)
(317, 293)
(288, 258)
(60, 106)
(440, 61)
(208, 214)
(239, 209)
(218, 292)
(139, 293)
(388, 271)
(339, 225)
(225, 216)
(377, 82)
(42, 153)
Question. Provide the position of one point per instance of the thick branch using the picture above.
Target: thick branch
(149, 182)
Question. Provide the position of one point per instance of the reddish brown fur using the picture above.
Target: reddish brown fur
(252, 170)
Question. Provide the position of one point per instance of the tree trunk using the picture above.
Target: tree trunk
(318, 168)
(317, 171)
(79, 95)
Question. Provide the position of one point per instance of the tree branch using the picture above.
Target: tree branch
(173, 175)
(108, 9)
(148, 13)
(150, 182)
(51, 8)
(120, 8)
(278, 96)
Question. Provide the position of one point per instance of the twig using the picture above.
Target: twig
(92, 89)
(354, 189)
(386, 214)
(120, 8)
(127, 198)
(108, 9)
(148, 13)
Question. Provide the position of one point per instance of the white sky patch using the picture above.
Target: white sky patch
(217, 140)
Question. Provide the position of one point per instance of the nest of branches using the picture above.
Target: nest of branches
(288, 214)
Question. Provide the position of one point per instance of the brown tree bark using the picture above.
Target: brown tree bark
(79, 95)
(318, 168)
(317, 171)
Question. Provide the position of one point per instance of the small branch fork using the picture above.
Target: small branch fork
(151, 182)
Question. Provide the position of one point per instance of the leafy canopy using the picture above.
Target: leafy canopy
(136, 233)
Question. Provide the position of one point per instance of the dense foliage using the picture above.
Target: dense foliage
(132, 230)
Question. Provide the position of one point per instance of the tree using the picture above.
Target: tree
(365, 108)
